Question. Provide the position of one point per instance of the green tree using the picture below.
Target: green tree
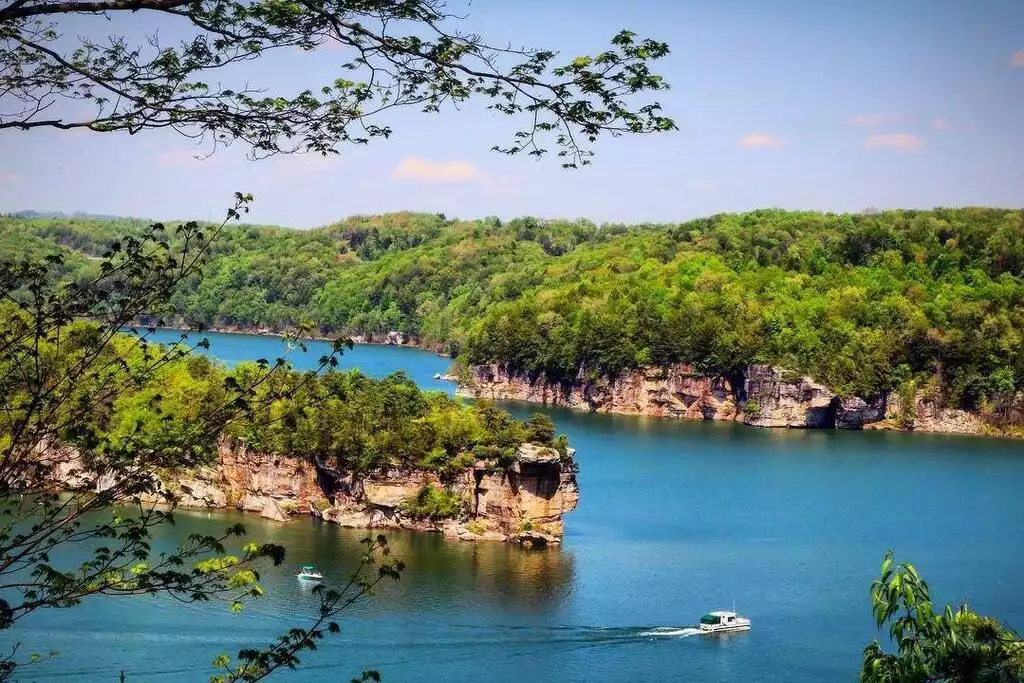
(719, 293)
(951, 645)
(540, 429)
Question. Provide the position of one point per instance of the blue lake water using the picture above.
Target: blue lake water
(675, 518)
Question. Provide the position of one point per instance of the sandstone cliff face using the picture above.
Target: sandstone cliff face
(929, 417)
(763, 396)
(775, 401)
(527, 501)
(273, 487)
(523, 503)
(675, 391)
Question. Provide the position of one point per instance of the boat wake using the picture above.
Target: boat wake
(581, 635)
(670, 632)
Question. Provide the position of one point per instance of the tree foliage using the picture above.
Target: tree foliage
(432, 502)
(354, 423)
(949, 646)
(863, 303)
(412, 53)
(541, 429)
(89, 418)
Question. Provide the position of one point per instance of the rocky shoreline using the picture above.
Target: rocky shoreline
(761, 396)
(523, 503)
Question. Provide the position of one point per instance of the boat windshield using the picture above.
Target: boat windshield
(709, 619)
(308, 568)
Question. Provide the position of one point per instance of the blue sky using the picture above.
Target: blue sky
(792, 103)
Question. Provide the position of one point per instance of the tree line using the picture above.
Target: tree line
(862, 302)
(167, 397)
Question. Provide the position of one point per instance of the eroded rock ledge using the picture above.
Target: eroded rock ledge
(523, 503)
(761, 396)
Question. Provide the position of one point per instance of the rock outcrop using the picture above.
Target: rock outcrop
(271, 486)
(676, 391)
(930, 417)
(761, 396)
(524, 502)
(773, 400)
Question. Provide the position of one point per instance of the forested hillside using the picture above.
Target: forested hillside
(861, 302)
(353, 422)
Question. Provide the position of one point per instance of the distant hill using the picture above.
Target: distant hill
(32, 213)
(864, 303)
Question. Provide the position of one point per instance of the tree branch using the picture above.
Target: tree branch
(18, 10)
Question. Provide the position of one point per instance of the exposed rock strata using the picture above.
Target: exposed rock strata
(761, 396)
(676, 391)
(271, 486)
(929, 417)
(522, 503)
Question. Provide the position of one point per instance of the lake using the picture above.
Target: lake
(675, 518)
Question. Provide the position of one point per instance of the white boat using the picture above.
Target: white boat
(721, 622)
(309, 572)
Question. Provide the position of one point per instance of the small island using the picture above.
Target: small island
(342, 447)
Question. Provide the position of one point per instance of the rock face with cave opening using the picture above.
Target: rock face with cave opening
(524, 502)
(760, 395)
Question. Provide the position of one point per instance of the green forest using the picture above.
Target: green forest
(166, 398)
(862, 302)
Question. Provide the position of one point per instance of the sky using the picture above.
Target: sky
(800, 104)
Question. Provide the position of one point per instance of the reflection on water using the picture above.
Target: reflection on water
(539, 578)
(439, 572)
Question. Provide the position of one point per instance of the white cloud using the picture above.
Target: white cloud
(423, 170)
(941, 124)
(7, 177)
(1017, 59)
(761, 141)
(903, 142)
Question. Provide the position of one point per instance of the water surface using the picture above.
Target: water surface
(675, 518)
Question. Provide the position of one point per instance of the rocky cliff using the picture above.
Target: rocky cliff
(761, 396)
(272, 486)
(524, 502)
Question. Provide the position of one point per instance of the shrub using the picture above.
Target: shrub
(907, 405)
(562, 446)
(433, 503)
(752, 409)
(475, 527)
(540, 429)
